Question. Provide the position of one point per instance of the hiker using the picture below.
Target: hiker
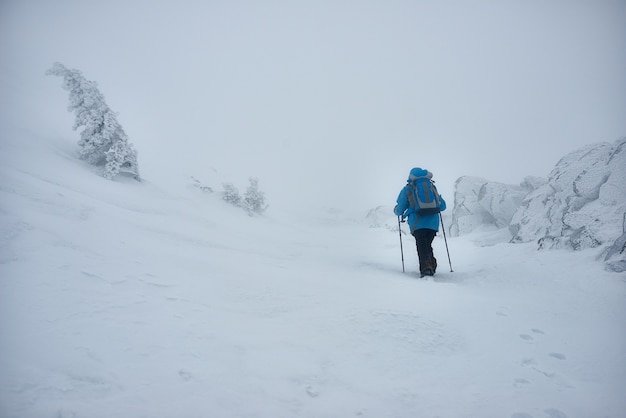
(421, 203)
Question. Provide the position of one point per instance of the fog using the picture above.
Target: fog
(328, 103)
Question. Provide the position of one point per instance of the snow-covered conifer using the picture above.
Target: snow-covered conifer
(254, 199)
(231, 194)
(103, 142)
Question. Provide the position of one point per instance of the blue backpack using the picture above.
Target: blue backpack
(423, 196)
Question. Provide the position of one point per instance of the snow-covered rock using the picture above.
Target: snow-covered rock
(616, 254)
(381, 217)
(582, 205)
(479, 202)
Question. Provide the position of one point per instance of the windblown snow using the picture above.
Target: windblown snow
(128, 299)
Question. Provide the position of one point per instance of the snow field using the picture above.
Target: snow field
(134, 299)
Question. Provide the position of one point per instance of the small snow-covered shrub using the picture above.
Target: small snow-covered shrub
(103, 142)
(231, 195)
(253, 200)
(197, 183)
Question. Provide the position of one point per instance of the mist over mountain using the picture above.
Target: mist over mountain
(245, 274)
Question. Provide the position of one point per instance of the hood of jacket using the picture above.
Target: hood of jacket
(418, 172)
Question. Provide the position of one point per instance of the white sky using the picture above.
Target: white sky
(330, 101)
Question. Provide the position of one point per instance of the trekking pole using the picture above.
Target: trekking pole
(446, 241)
(401, 250)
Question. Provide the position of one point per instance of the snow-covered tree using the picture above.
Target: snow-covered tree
(254, 199)
(231, 195)
(103, 142)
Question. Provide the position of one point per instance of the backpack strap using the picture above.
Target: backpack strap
(411, 195)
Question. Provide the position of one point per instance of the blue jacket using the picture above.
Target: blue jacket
(403, 208)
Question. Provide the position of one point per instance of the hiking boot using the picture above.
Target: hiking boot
(427, 272)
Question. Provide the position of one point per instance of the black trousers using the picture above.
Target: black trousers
(424, 240)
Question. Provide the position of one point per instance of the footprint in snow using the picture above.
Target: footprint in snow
(530, 338)
(558, 356)
(520, 382)
(531, 363)
(555, 413)
(312, 392)
(185, 375)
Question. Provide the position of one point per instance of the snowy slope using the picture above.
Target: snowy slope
(153, 299)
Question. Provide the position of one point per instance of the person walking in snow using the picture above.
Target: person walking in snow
(420, 202)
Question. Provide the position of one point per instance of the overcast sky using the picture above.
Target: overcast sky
(332, 101)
